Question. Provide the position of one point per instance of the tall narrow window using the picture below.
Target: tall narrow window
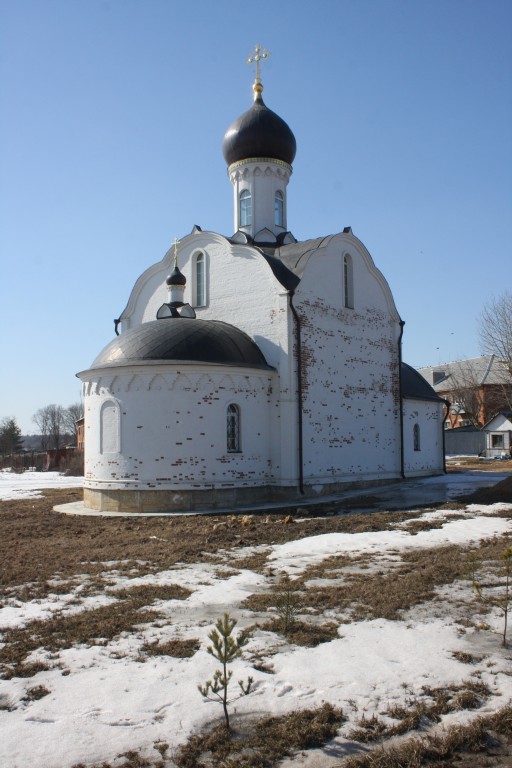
(279, 209)
(245, 208)
(348, 282)
(233, 428)
(416, 437)
(109, 427)
(199, 292)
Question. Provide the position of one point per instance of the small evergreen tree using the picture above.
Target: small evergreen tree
(225, 648)
(10, 436)
(288, 604)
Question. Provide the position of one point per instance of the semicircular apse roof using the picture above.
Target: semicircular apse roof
(183, 339)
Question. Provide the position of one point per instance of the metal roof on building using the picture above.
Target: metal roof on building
(414, 385)
(476, 371)
(183, 339)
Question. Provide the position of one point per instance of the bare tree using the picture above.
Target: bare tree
(496, 337)
(71, 414)
(466, 392)
(50, 422)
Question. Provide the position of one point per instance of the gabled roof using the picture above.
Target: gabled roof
(506, 414)
(477, 371)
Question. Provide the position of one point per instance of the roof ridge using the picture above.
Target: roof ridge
(488, 369)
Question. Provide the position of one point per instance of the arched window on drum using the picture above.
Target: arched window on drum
(233, 429)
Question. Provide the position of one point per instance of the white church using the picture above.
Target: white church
(255, 368)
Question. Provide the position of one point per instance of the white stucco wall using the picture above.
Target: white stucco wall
(262, 179)
(241, 290)
(350, 369)
(428, 459)
(172, 427)
(501, 428)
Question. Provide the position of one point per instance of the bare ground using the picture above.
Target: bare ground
(42, 551)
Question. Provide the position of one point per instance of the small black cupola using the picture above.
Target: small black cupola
(176, 277)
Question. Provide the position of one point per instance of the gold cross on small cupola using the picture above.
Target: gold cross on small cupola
(176, 243)
(259, 55)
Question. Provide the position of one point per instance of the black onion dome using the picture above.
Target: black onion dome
(183, 339)
(176, 278)
(259, 132)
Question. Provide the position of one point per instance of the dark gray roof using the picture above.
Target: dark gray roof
(414, 385)
(295, 256)
(183, 339)
(287, 262)
(476, 371)
(259, 132)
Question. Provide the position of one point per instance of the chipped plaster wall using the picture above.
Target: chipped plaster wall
(429, 459)
(241, 290)
(351, 422)
(172, 427)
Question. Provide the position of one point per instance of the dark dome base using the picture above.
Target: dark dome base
(184, 339)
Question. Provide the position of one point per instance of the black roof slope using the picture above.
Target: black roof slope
(289, 261)
(414, 385)
(184, 339)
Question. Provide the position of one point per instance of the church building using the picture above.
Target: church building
(255, 368)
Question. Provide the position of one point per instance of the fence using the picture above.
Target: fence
(69, 460)
(464, 442)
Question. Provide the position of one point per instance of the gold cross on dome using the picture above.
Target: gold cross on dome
(260, 54)
(176, 243)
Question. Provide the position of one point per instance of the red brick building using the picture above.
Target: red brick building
(477, 388)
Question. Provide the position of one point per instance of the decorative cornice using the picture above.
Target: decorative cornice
(259, 160)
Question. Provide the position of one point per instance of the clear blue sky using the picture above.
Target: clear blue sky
(113, 113)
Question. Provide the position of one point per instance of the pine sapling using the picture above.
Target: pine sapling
(502, 599)
(288, 604)
(225, 648)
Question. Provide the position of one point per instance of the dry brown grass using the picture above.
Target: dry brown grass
(86, 627)
(381, 594)
(255, 743)
(261, 744)
(375, 594)
(36, 693)
(181, 649)
(37, 543)
(466, 658)
(145, 594)
(63, 631)
(303, 633)
(459, 745)
(429, 708)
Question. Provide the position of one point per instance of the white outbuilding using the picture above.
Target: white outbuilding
(255, 368)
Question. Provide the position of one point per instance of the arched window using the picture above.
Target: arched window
(109, 427)
(348, 282)
(233, 428)
(279, 209)
(245, 208)
(199, 281)
(416, 437)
